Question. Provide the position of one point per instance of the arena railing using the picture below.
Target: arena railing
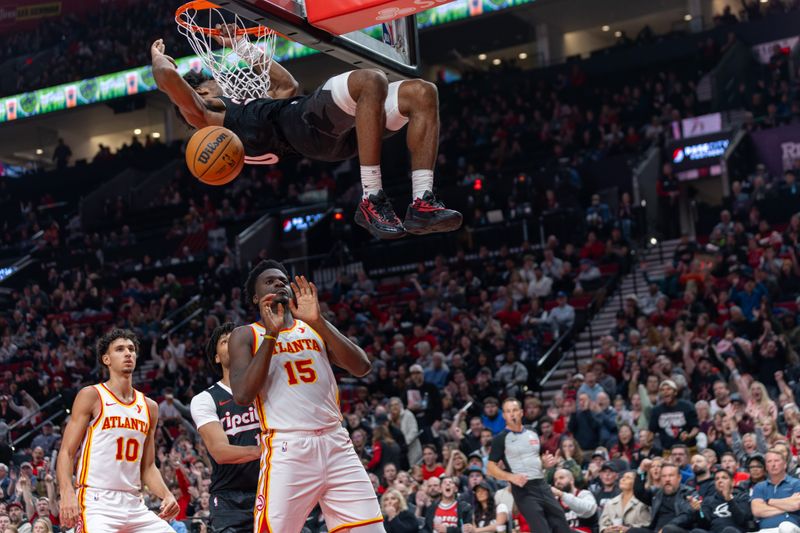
(180, 316)
(30, 416)
(37, 429)
(563, 346)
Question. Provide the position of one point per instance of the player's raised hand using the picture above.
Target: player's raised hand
(227, 34)
(68, 510)
(169, 508)
(157, 51)
(272, 320)
(305, 305)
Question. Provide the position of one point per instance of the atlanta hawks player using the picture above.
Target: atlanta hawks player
(283, 363)
(110, 437)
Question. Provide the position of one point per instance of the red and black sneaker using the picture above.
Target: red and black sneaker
(376, 215)
(429, 215)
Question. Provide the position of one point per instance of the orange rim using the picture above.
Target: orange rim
(201, 5)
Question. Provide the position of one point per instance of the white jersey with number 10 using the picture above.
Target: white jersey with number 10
(111, 453)
(300, 392)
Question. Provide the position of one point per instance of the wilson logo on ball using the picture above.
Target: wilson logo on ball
(205, 155)
(215, 155)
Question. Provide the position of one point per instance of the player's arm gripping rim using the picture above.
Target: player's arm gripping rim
(341, 351)
(83, 411)
(281, 83)
(151, 476)
(222, 450)
(249, 372)
(169, 81)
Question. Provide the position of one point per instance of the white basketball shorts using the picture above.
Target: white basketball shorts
(300, 469)
(110, 511)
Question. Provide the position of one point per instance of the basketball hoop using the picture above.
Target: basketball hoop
(242, 71)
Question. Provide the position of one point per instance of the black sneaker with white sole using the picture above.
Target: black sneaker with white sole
(429, 215)
(376, 215)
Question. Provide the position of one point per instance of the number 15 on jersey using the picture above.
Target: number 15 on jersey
(300, 371)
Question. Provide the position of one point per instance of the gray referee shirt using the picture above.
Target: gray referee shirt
(519, 452)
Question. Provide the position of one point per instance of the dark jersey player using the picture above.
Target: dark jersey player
(230, 432)
(347, 116)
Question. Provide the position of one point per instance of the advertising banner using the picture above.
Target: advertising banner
(764, 51)
(702, 125)
(698, 152)
(140, 80)
(778, 148)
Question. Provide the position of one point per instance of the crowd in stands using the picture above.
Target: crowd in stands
(687, 407)
(98, 42)
(689, 399)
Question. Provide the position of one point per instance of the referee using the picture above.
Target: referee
(518, 448)
(230, 432)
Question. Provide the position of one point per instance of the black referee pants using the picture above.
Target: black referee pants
(540, 508)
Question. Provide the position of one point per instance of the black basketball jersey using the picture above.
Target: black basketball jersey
(257, 123)
(313, 126)
(241, 425)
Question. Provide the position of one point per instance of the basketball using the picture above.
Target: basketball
(215, 155)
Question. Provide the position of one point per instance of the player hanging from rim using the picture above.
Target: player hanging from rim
(113, 425)
(231, 434)
(348, 115)
(283, 363)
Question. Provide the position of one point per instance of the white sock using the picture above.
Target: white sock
(421, 181)
(370, 180)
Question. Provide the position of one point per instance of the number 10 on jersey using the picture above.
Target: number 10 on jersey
(301, 370)
(127, 449)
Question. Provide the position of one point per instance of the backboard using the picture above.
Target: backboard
(391, 46)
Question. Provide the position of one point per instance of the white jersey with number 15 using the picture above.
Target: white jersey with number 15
(300, 392)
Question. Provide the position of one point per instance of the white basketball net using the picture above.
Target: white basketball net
(241, 70)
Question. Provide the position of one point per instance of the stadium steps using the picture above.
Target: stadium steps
(588, 341)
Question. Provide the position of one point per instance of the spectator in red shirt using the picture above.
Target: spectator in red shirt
(430, 466)
(567, 408)
(45, 510)
(181, 491)
(549, 439)
(593, 249)
(37, 461)
(420, 335)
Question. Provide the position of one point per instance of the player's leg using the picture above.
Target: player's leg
(232, 512)
(418, 100)
(140, 519)
(368, 89)
(100, 511)
(289, 486)
(348, 502)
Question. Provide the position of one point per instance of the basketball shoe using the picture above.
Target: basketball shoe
(376, 215)
(429, 215)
